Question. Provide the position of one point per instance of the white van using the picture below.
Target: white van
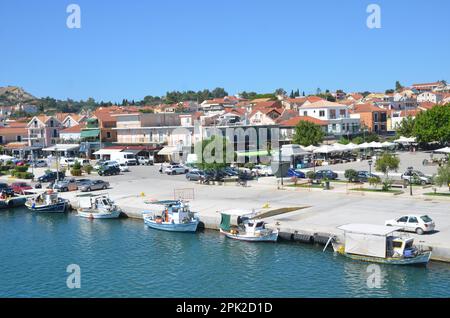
(127, 158)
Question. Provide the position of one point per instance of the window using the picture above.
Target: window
(397, 244)
(305, 113)
(1, 139)
(426, 219)
(403, 219)
(413, 219)
(322, 113)
(52, 124)
(19, 138)
(375, 116)
(342, 112)
(55, 133)
(108, 134)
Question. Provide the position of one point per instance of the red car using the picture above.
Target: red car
(20, 187)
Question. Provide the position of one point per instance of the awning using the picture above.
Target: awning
(62, 147)
(102, 152)
(167, 151)
(253, 153)
(90, 133)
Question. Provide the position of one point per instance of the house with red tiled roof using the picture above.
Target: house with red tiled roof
(430, 97)
(264, 116)
(43, 131)
(372, 117)
(13, 134)
(337, 115)
(427, 87)
(397, 116)
(287, 127)
(426, 106)
(71, 134)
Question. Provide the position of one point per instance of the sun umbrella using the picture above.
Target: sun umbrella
(375, 144)
(364, 145)
(387, 144)
(325, 149)
(310, 148)
(443, 150)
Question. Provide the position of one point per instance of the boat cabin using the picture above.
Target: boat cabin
(171, 211)
(376, 241)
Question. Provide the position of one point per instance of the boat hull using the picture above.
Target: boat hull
(60, 207)
(272, 237)
(99, 215)
(12, 202)
(422, 258)
(172, 227)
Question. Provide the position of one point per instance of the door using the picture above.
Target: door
(412, 224)
(402, 222)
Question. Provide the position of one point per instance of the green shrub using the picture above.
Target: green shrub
(88, 169)
(76, 172)
(22, 175)
(351, 174)
(373, 181)
(249, 165)
(387, 183)
(76, 165)
(21, 168)
(311, 175)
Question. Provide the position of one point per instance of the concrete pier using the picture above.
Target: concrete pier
(320, 211)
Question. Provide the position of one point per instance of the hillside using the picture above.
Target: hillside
(12, 95)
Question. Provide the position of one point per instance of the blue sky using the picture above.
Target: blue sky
(129, 49)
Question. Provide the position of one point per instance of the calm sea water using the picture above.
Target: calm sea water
(123, 258)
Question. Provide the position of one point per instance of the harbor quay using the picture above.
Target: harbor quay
(302, 214)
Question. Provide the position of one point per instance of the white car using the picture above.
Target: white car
(262, 170)
(176, 169)
(124, 168)
(413, 223)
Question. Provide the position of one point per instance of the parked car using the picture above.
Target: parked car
(176, 169)
(124, 168)
(214, 175)
(195, 175)
(232, 172)
(364, 176)
(295, 173)
(99, 164)
(20, 187)
(66, 162)
(416, 177)
(68, 184)
(326, 174)
(81, 182)
(145, 161)
(6, 189)
(51, 176)
(109, 170)
(94, 185)
(262, 170)
(20, 163)
(39, 163)
(413, 223)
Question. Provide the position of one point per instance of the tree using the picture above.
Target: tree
(280, 92)
(398, 86)
(406, 127)
(389, 91)
(385, 164)
(433, 125)
(213, 153)
(443, 176)
(307, 133)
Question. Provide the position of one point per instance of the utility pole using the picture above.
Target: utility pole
(280, 166)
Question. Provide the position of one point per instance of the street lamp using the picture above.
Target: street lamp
(410, 175)
(370, 166)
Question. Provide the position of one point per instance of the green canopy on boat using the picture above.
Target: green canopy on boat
(225, 222)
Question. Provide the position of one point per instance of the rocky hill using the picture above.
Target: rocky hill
(13, 95)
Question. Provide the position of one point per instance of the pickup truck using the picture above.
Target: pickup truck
(145, 161)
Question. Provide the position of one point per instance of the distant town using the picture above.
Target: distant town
(29, 124)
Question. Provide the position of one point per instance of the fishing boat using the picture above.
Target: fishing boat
(8, 200)
(244, 225)
(48, 202)
(171, 215)
(378, 244)
(98, 206)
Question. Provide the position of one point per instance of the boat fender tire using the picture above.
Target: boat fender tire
(10, 203)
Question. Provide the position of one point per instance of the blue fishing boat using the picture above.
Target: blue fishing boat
(47, 202)
(174, 216)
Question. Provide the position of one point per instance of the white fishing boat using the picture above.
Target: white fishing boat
(244, 225)
(171, 215)
(98, 207)
(47, 202)
(377, 243)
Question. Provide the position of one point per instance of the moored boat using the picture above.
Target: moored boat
(8, 201)
(243, 225)
(378, 244)
(98, 207)
(48, 202)
(174, 216)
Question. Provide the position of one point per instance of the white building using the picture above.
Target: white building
(337, 116)
(430, 97)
